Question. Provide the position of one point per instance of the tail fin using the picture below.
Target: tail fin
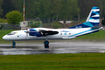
(92, 20)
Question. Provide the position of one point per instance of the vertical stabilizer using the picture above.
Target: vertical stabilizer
(92, 20)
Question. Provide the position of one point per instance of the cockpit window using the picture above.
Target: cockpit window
(12, 33)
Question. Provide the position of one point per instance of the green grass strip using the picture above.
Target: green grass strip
(3, 20)
(81, 61)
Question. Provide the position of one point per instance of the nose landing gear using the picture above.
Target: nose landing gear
(13, 44)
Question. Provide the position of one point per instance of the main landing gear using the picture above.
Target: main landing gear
(46, 44)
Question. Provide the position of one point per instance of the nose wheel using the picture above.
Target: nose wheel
(13, 44)
(46, 44)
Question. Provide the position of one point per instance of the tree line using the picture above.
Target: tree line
(52, 9)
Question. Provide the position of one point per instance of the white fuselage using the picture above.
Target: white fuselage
(21, 35)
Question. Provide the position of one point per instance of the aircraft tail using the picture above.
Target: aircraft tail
(92, 20)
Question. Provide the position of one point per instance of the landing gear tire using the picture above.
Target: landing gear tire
(13, 44)
(46, 44)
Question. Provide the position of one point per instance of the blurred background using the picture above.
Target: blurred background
(48, 13)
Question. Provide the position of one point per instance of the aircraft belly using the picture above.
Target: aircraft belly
(51, 37)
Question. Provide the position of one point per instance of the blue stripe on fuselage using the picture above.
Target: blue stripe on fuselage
(79, 34)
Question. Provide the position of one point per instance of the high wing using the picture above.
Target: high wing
(41, 32)
(46, 33)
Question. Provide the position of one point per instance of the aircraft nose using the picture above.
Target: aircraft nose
(5, 37)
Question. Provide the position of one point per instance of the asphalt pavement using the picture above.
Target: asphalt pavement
(55, 48)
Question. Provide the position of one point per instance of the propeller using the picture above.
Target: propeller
(27, 33)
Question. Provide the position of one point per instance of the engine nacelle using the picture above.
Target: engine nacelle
(33, 32)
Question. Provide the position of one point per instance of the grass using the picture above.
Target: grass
(2, 33)
(98, 36)
(80, 61)
(3, 20)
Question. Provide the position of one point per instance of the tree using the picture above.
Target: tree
(7, 6)
(69, 9)
(18, 4)
(56, 9)
(14, 17)
(56, 24)
(103, 21)
(1, 10)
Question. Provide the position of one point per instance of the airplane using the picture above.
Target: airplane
(90, 26)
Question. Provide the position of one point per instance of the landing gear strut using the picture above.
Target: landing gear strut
(13, 44)
(46, 44)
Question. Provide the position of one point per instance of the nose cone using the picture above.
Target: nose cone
(5, 37)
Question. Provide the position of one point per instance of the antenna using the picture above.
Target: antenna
(23, 10)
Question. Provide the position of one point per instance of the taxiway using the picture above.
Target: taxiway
(55, 48)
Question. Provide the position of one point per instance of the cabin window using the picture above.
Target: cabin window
(65, 33)
(12, 33)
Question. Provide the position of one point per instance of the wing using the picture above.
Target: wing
(41, 33)
(46, 33)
